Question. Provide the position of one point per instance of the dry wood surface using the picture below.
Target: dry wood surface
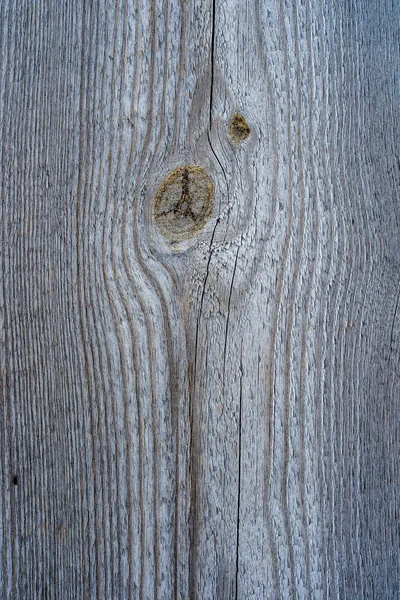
(199, 300)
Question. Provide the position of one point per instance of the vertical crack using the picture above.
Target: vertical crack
(212, 57)
(239, 474)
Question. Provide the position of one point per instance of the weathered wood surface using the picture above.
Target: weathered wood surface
(217, 420)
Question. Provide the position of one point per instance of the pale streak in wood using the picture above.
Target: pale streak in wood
(222, 421)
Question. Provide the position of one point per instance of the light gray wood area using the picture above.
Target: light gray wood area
(216, 417)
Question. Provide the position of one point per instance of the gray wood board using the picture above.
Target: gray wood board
(216, 418)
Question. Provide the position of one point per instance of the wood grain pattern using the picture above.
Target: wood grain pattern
(216, 418)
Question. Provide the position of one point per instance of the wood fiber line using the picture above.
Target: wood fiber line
(211, 413)
(293, 289)
(269, 387)
(96, 576)
(127, 582)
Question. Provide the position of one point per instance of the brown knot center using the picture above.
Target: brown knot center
(239, 129)
(184, 203)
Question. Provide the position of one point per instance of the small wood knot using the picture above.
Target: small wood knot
(239, 129)
(184, 203)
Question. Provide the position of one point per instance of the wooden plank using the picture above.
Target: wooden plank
(199, 377)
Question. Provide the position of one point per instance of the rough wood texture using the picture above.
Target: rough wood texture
(218, 418)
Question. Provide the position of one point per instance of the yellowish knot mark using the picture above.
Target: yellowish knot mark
(184, 203)
(239, 129)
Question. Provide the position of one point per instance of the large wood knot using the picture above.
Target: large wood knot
(184, 203)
